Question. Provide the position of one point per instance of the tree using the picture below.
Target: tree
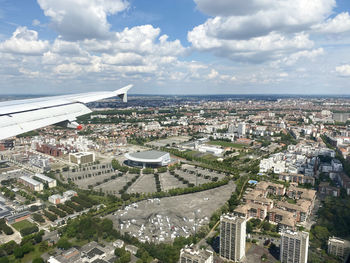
(64, 244)
(38, 260)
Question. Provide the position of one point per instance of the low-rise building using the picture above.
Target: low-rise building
(50, 182)
(31, 183)
(82, 157)
(189, 254)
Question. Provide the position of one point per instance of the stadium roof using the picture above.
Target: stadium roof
(146, 156)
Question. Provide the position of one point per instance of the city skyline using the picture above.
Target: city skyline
(182, 47)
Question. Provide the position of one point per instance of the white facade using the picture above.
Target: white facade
(294, 246)
(46, 180)
(232, 237)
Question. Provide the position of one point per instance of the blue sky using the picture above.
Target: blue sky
(175, 47)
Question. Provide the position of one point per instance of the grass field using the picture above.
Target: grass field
(22, 224)
(227, 144)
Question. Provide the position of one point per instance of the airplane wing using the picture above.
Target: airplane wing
(20, 116)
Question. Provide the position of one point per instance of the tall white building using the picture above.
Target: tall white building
(232, 237)
(241, 129)
(294, 247)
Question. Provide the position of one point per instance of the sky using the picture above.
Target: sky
(175, 46)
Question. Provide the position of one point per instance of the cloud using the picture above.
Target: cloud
(25, 42)
(278, 16)
(343, 70)
(337, 25)
(260, 49)
(258, 30)
(213, 74)
(82, 19)
(35, 22)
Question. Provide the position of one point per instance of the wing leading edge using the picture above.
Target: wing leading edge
(20, 116)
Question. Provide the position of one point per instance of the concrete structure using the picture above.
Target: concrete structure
(338, 247)
(294, 247)
(56, 199)
(241, 129)
(31, 183)
(189, 254)
(148, 159)
(232, 237)
(46, 180)
(82, 157)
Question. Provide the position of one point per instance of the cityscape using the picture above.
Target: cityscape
(174, 131)
(196, 180)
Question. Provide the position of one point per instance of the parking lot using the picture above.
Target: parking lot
(164, 219)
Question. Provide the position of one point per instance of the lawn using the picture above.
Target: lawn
(22, 224)
(227, 144)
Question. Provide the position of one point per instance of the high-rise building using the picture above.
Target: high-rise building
(241, 129)
(189, 254)
(338, 247)
(232, 237)
(294, 246)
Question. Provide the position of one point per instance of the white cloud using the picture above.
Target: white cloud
(213, 74)
(258, 30)
(337, 25)
(295, 57)
(343, 70)
(278, 16)
(81, 19)
(35, 22)
(258, 49)
(25, 42)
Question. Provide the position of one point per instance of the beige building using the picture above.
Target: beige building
(46, 180)
(294, 247)
(82, 157)
(189, 254)
(232, 237)
(338, 247)
(31, 183)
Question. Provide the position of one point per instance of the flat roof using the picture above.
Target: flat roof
(44, 177)
(29, 180)
(146, 156)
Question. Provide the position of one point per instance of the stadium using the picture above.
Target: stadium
(148, 159)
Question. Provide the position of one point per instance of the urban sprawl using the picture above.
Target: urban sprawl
(182, 179)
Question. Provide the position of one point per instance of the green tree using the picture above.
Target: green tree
(63, 243)
(38, 260)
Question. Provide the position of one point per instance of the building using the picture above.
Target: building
(189, 254)
(50, 182)
(232, 237)
(294, 246)
(82, 157)
(241, 129)
(338, 247)
(56, 199)
(49, 150)
(148, 159)
(7, 144)
(31, 183)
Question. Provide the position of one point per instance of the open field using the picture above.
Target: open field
(22, 224)
(227, 144)
(164, 219)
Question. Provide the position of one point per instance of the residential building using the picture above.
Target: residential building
(189, 254)
(294, 246)
(232, 237)
(338, 247)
